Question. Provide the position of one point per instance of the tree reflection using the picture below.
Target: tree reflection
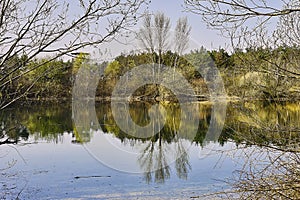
(41, 122)
(268, 138)
(154, 158)
(272, 128)
(161, 147)
(182, 164)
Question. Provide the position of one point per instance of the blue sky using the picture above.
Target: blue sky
(200, 33)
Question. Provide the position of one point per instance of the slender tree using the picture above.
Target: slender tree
(156, 38)
(181, 39)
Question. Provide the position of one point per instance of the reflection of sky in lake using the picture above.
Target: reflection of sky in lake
(50, 169)
(53, 160)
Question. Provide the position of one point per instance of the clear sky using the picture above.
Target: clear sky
(200, 33)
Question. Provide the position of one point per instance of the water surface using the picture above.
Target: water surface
(52, 158)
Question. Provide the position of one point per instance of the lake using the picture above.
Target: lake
(137, 150)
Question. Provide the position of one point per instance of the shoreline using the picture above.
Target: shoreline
(68, 101)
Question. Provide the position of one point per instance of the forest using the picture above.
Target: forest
(240, 100)
(252, 74)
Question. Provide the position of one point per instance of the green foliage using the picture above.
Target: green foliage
(50, 80)
(221, 58)
(113, 69)
(254, 73)
(41, 122)
(79, 61)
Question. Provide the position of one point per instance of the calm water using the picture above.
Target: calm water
(55, 156)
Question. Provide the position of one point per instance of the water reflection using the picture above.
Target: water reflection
(169, 132)
(263, 123)
(256, 122)
(159, 148)
(43, 122)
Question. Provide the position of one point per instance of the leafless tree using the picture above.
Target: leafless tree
(31, 29)
(182, 33)
(258, 25)
(181, 38)
(246, 18)
(272, 170)
(271, 165)
(154, 34)
(156, 38)
(267, 151)
(288, 31)
(146, 35)
(218, 12)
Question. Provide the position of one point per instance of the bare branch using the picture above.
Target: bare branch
(49, 27)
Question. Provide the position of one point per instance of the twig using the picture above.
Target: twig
(78, 177)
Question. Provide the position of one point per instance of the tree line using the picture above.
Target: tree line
(266, 74)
